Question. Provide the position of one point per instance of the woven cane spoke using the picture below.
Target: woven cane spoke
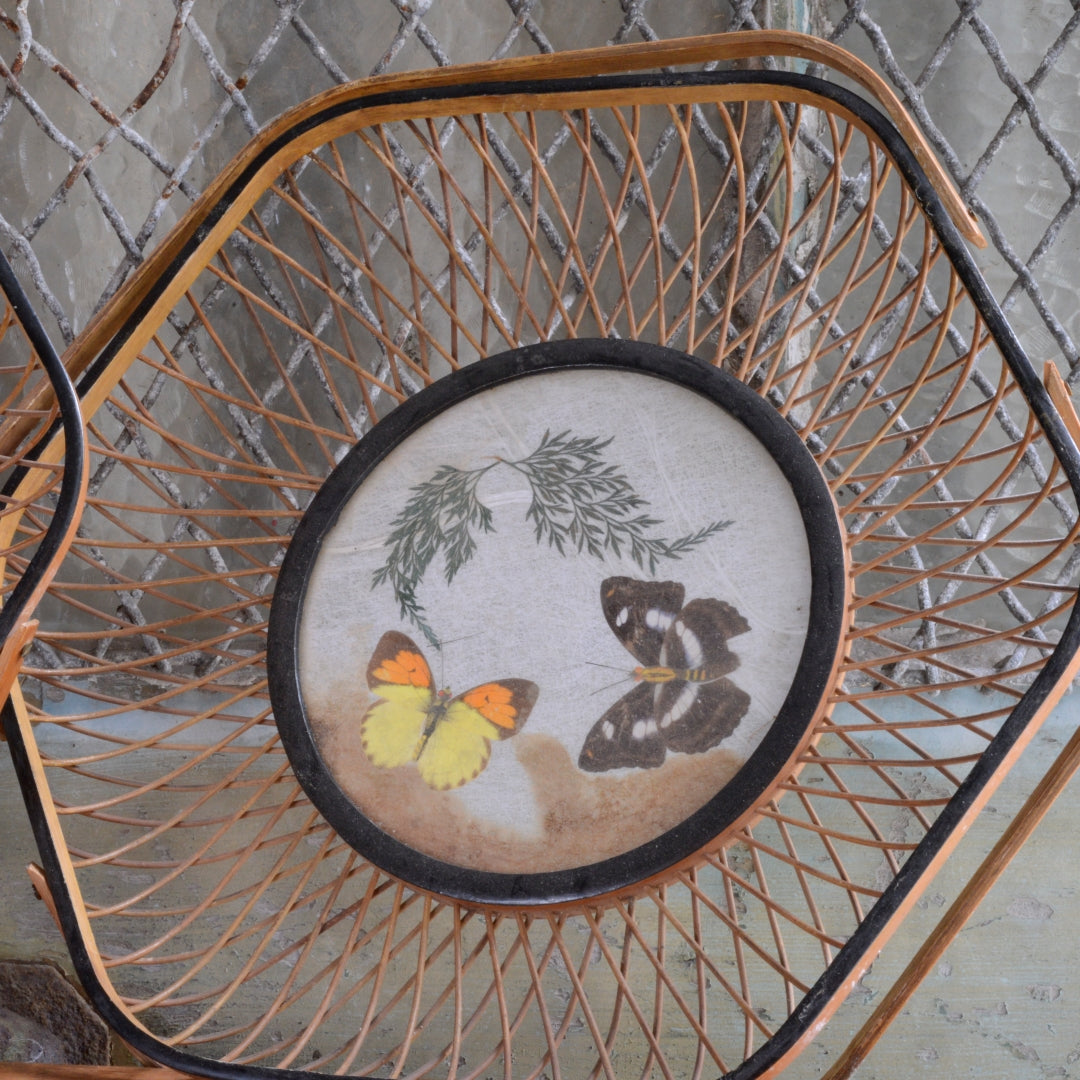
(568, 226)
(737, 976)
(252, 939)
(327, 900)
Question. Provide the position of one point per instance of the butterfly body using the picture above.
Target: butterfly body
(665, 674)
(683, 700)
(448, 738)
(435, 713)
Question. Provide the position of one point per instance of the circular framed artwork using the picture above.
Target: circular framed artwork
(557, 623)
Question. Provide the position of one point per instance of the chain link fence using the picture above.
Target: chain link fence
(113, 120)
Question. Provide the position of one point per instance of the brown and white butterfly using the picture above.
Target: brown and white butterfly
(682, 700)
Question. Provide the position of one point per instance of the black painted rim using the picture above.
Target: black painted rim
(70, 419)
(788, 730)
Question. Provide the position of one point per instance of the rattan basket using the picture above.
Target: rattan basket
(754, 235)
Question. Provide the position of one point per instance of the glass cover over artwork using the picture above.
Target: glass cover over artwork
(554, 620)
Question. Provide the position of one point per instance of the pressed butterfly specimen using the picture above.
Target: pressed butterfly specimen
(682, 700)
(448, 737)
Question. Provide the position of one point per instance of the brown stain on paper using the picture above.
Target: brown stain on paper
(582, 817)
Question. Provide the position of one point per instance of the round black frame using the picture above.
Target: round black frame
(813, 674)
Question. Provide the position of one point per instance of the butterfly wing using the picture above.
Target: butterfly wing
(626, 736)
(640, 612)
(696, 639)
(458, 748)
(391, 729)
(397, 661)
(692, 717)
(695, 715)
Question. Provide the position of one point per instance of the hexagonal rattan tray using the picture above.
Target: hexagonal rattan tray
(551, 366)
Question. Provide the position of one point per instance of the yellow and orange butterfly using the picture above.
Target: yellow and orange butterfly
(449, 738)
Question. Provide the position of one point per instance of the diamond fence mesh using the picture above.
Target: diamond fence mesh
(113, 121)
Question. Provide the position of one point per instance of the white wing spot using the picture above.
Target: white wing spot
(624, 614)
(691, 643)
(655, 619)
(679, 708)
(609, 730)
(640, 727)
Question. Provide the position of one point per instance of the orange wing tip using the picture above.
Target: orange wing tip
(405, 669)
(494, 702)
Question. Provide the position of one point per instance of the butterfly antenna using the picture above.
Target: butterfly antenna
(454, 640)
(609, 667)
(442, 655)
(601, 689)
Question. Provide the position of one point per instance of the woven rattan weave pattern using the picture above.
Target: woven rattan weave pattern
(361, 249)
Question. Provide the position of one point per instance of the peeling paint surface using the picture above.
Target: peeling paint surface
(1003, 1003)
